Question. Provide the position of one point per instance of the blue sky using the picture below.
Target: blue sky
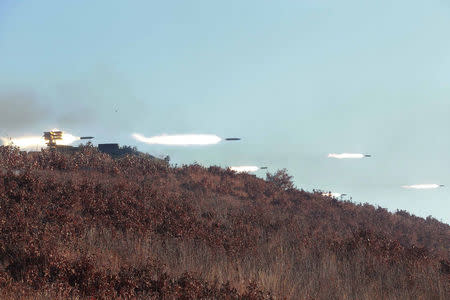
(295, 79)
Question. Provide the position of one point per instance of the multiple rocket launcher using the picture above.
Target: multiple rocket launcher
(51, 138)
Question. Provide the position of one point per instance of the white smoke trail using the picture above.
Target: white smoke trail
(179, 140)
(422, 186)
(244, 169)
(346, 155)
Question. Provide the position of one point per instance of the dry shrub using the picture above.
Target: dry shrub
(87, 225)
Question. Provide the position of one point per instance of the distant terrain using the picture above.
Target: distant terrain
(85, 225)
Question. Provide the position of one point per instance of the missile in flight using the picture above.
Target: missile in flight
(233, 139)
(86, 138)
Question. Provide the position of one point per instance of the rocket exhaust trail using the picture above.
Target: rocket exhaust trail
(423, 186)
(179, 140)
(246, 169)
(348, 155)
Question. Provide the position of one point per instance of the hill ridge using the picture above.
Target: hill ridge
(87, 224)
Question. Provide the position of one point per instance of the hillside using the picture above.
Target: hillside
(87, 225)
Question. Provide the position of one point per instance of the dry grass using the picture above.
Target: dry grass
(74, 227)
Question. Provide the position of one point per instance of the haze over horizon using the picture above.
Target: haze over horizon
(296, 81)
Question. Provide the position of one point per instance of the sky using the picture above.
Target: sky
(295, 80)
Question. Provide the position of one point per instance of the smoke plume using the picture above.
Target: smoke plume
(20, 111)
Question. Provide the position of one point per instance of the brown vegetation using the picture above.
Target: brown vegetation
(87, 225)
